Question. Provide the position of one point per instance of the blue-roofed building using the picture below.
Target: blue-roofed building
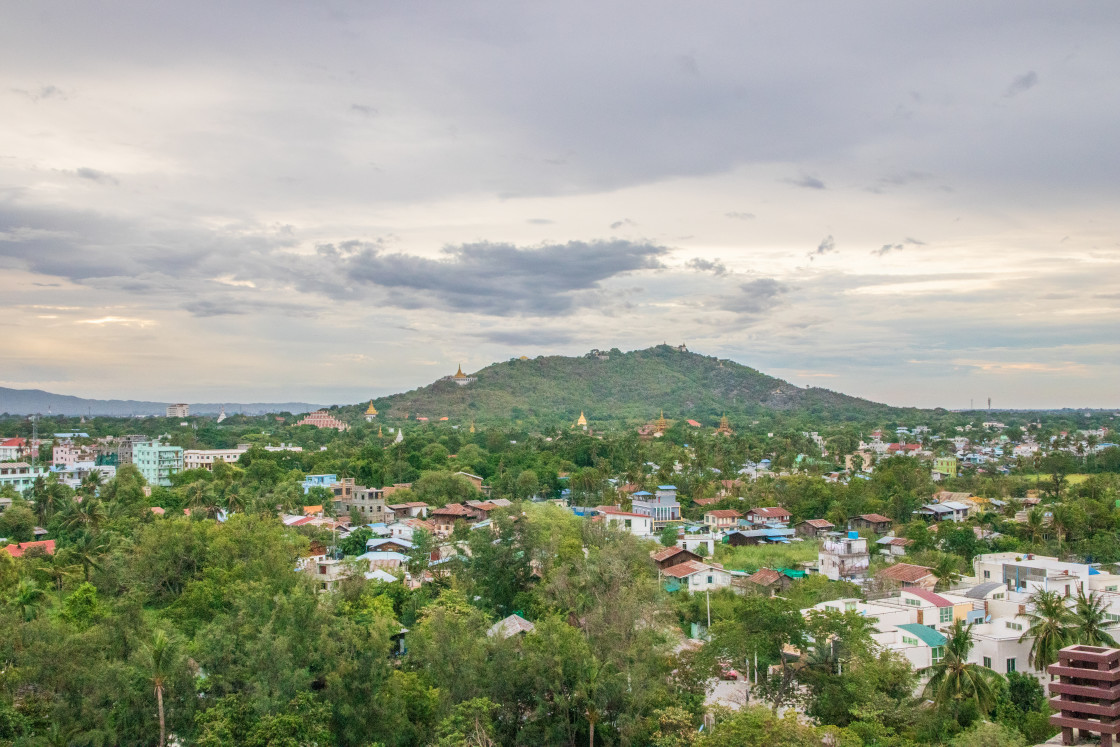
(318, 481)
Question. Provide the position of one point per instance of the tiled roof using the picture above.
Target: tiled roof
(724, 513)
(981, 590)
(905, 572)
(896, 541)
(667, 553)
(707, 501)
(875, 518)
(765, 577)
(819, 523)
(682, 570)
(410, 504)
(770, 512)
(935, 599)
(18, 549)
(453, 509)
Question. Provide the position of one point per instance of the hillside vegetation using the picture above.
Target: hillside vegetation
(617, 386)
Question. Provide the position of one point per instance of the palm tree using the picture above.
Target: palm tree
(953, 680)
(946, 572)
(1089, 620)
(1050, 621)
(27, 597)
(1035, 524)
(162, 657)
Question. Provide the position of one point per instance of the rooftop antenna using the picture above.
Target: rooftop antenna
(989, 404)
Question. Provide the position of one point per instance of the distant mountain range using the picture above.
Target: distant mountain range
(30, 401)
(616, 386)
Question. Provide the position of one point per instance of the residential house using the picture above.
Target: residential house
(948, 511)
(157, 462)
(843, 557)
(637, 524)
(705, 502)
(768, 515)
(510, 626)
(768, 581)
(205, 458)
(693, 543)
(877, 523)
(813, 528)
(444, 519)
(409, 510)
(722, 519)
(662, 507)
(696, 577)
(671, 556)
(893, 546)
(908, 576)
(766, 535)
(13, 448)
(17, 549)
(921, 645)
(476, 481)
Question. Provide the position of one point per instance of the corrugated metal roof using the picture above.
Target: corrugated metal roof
(926, 635)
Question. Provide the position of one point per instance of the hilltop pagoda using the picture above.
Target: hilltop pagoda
(371, 412)
(460, 378)
(724, 427)
(662, 424)
(582, 422)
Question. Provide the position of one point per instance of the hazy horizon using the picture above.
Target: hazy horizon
(328, 202)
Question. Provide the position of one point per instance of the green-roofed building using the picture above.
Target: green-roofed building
(921, 644)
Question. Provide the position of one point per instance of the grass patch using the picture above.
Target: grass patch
(1075, 479)
(752, 557)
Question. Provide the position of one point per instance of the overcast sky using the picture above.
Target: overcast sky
(914, 203)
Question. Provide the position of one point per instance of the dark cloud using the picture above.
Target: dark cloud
(43, 92)
(95, 176)
(620, 223)
(827, 246)
(740, 215)
(888, 248)
(713, 266)
(483, 278)
(364, 110)
(754, 297)
(807, 181)
(540, 221)
(1022, 84)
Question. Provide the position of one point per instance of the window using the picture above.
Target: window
(988, 662)
(946, 614)
(987, 574)
(938, 653)
(910, 641)
(913, 602)
(711, 579)
(849, 606)
(1014, 625)
(1010, 666)
(1110, 588)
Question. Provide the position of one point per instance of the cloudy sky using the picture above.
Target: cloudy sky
(916, 203)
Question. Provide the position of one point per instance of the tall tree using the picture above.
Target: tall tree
(162, 657)
(1050, 621)
(954, 681)
(1090, 617)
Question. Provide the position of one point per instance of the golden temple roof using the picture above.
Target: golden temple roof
(371, 410)
(459, 374)
(662, 424)
(582, 420)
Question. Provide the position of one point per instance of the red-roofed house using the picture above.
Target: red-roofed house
(671, 556)
(767, 514)
(444, 519)
(725, 518)
(693, 423)
(769, 581)
(17, 549)
(934, 609)
(707, 501)
(814, 527)
(909, 576)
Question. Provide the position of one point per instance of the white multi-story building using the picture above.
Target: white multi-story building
(844, 557)
(179, 410)
(205, 458)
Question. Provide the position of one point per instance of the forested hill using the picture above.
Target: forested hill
(617, 386)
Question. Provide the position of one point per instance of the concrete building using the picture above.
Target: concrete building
(637, 524)
(20, 475)
(694, 577)
(157, 462)
(721, 519)
(125, 445)
(662, 507)
(369, 504)
(844, 557)
(205, 458)
(179, 410)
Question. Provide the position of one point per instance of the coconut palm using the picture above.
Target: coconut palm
(1035, 524)
(954, 681)
(946, 572)
(162, 658)
(1090, 618)
(1050, 621)
(27, 597)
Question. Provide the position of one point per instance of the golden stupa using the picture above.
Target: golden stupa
(459, 374)
(724, 427)
(662, 424)
(582, 422)
(472, 426)
(371, 410)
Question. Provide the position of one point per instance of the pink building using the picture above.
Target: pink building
(323, 419)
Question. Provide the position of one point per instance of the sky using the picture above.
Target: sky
(254, 201)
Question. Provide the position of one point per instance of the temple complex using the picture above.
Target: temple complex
(460, 378)
(724, 427)
(582, 422)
